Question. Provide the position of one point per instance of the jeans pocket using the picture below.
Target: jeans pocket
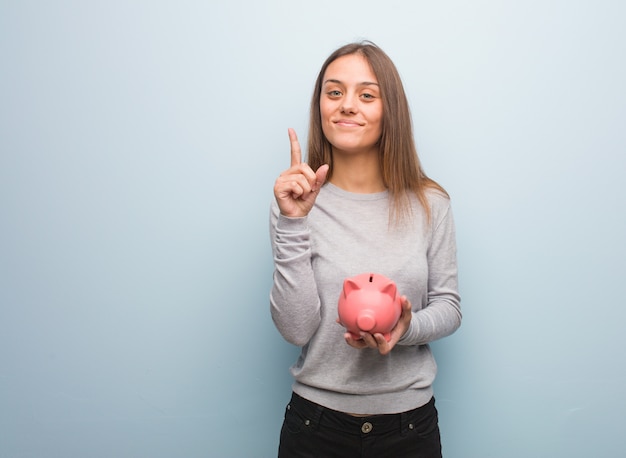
(424, 421)
(297, 435)
(294, 421)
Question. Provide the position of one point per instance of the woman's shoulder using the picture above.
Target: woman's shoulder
(439, 205)
(437, 196)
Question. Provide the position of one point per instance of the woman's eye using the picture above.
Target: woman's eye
(334, 93)
(367, 96)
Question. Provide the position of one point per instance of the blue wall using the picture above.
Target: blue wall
(139, 142)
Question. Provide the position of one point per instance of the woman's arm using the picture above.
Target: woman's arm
(442, 314)
(294, 300)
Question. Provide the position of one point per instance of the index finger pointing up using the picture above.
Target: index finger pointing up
(296, 152)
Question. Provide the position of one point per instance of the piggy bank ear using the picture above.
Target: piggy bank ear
(350, 285)
(389, 289)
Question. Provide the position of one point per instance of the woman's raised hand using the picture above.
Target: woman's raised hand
(297, 187)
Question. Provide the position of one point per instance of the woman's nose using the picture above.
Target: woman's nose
(349, 105)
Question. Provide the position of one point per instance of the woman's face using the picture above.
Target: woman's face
(350, 105)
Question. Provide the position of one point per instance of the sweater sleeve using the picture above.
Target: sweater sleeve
(294, 299)
(441, 315)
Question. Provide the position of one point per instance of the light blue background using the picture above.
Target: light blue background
(139, 144)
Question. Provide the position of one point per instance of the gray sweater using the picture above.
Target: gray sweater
(344, 235)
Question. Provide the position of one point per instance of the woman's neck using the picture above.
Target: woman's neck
(359, 173)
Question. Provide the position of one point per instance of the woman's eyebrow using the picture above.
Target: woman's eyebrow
(364, 83)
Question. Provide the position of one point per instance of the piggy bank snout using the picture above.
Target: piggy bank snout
(366, 321)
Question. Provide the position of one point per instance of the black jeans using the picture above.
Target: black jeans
(312, 431)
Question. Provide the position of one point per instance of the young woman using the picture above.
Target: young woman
(361, 204)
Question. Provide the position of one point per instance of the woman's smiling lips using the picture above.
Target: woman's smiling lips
(347, 123)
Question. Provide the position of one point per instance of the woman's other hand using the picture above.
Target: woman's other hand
(377, 340)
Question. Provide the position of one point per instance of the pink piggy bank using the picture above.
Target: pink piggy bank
(369, 302)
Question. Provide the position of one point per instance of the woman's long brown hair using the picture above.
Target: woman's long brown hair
(401, 169)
